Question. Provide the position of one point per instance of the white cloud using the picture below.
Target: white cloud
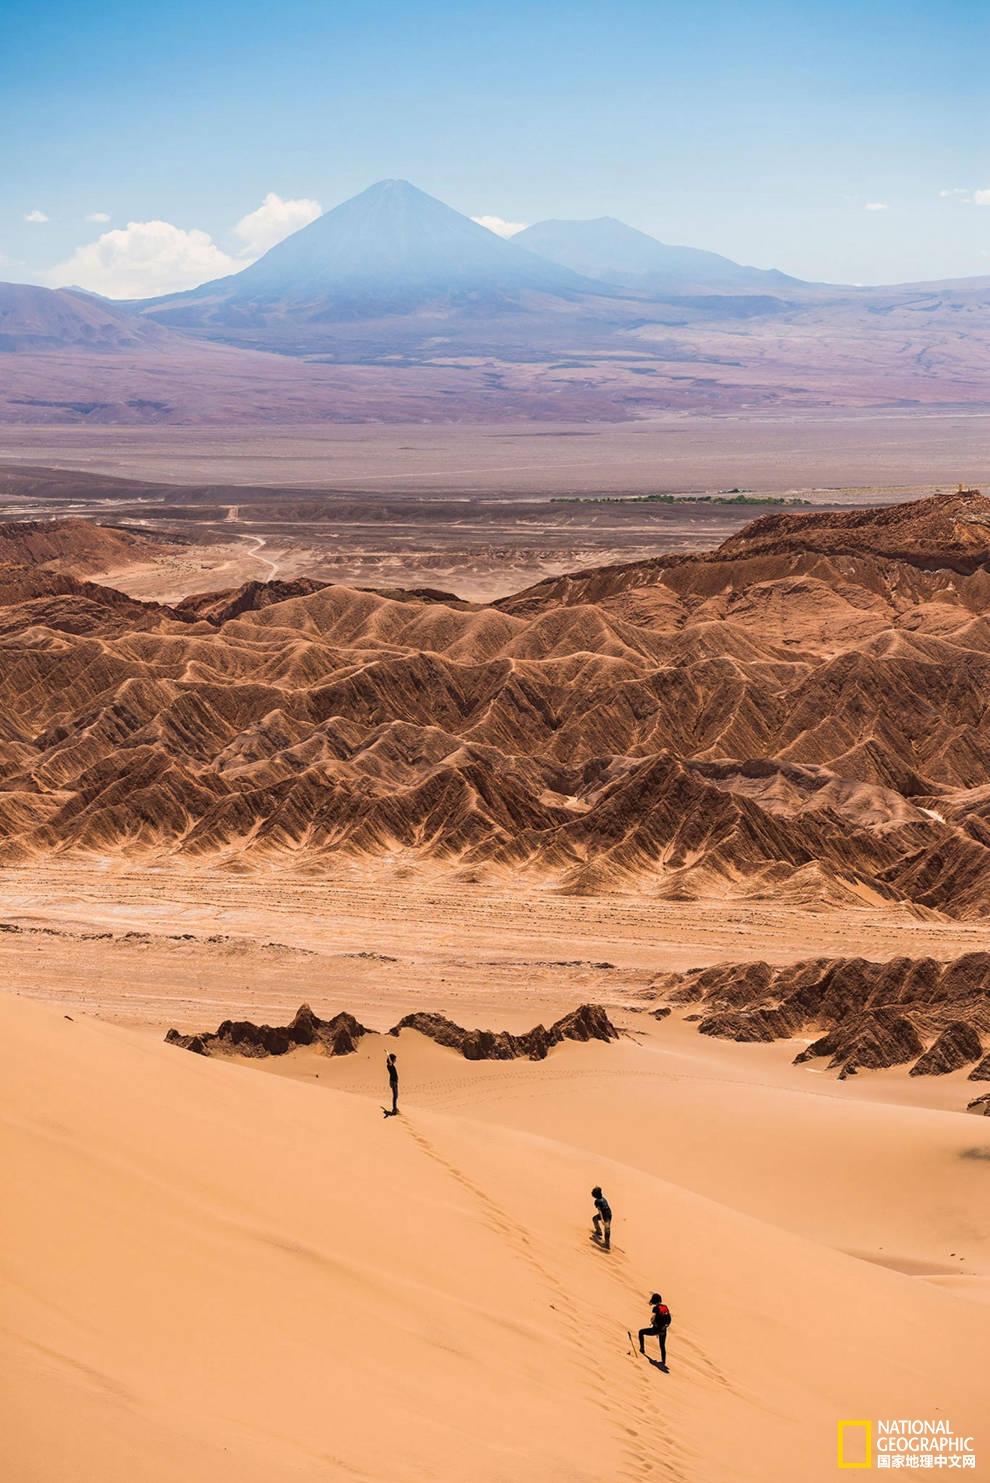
(876, 206)
(500, 227)
(147, 258)
(35, 216)
(143, 259)
(273, 220)
(971, 197)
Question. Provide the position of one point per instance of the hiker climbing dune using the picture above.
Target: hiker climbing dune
(602, 1218)
(660, 1315)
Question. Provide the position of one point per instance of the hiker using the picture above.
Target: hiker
(393, 1081)
(659, 1327)
(602, 1219)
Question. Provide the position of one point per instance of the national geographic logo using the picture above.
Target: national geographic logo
(855, 1444)
(915, 1443)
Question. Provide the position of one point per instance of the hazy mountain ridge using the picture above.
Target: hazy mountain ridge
(397, 308)
(623, 256)
(34, 318)
(392, 250)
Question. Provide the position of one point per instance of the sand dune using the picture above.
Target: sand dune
(217, 1273)
(711, 1120)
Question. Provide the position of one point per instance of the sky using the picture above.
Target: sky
(146, 149)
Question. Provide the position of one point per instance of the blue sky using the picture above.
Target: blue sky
(761, 130)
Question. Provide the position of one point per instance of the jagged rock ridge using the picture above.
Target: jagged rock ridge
(771, 720)
(339, 1036)
(863, 1015)
(588, 1022)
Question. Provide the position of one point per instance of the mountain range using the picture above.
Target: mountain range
(799, 715)
(400, 308)
(394, 256)
(389, 250)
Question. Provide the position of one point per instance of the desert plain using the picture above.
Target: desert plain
(486, 765)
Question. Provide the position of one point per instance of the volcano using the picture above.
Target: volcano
(391, 251)
(624, 257)
(420, 314)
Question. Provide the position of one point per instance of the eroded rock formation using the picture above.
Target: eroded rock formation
(958, 1045)
(800, 715)
(336, 1037)
(339, 1036)
(860, 1014)
(589, 1022)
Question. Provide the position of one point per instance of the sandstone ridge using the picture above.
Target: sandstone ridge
(339, 1035)
(799, 715)
(861, 1015)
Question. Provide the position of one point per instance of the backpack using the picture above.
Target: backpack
(661, 1315)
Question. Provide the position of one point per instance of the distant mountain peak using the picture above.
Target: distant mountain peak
(394, 184)
(613, 252)
(390, 249)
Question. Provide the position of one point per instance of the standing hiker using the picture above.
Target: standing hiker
(393, 1081)
(660, 1314)
(602, 1218)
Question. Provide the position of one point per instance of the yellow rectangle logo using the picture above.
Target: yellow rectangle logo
(865, 1429)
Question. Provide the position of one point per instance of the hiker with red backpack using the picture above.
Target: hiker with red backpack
(658, 1329)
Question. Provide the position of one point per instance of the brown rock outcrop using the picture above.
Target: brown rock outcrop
(861, 1014)
(958, 1045)
(869, 1041)
(70, 544)
(339, 1036)
(951, 530)
(588, 1022)
(219, 607)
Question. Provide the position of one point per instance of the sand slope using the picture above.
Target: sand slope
(900, 1185)
(212, 1273)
